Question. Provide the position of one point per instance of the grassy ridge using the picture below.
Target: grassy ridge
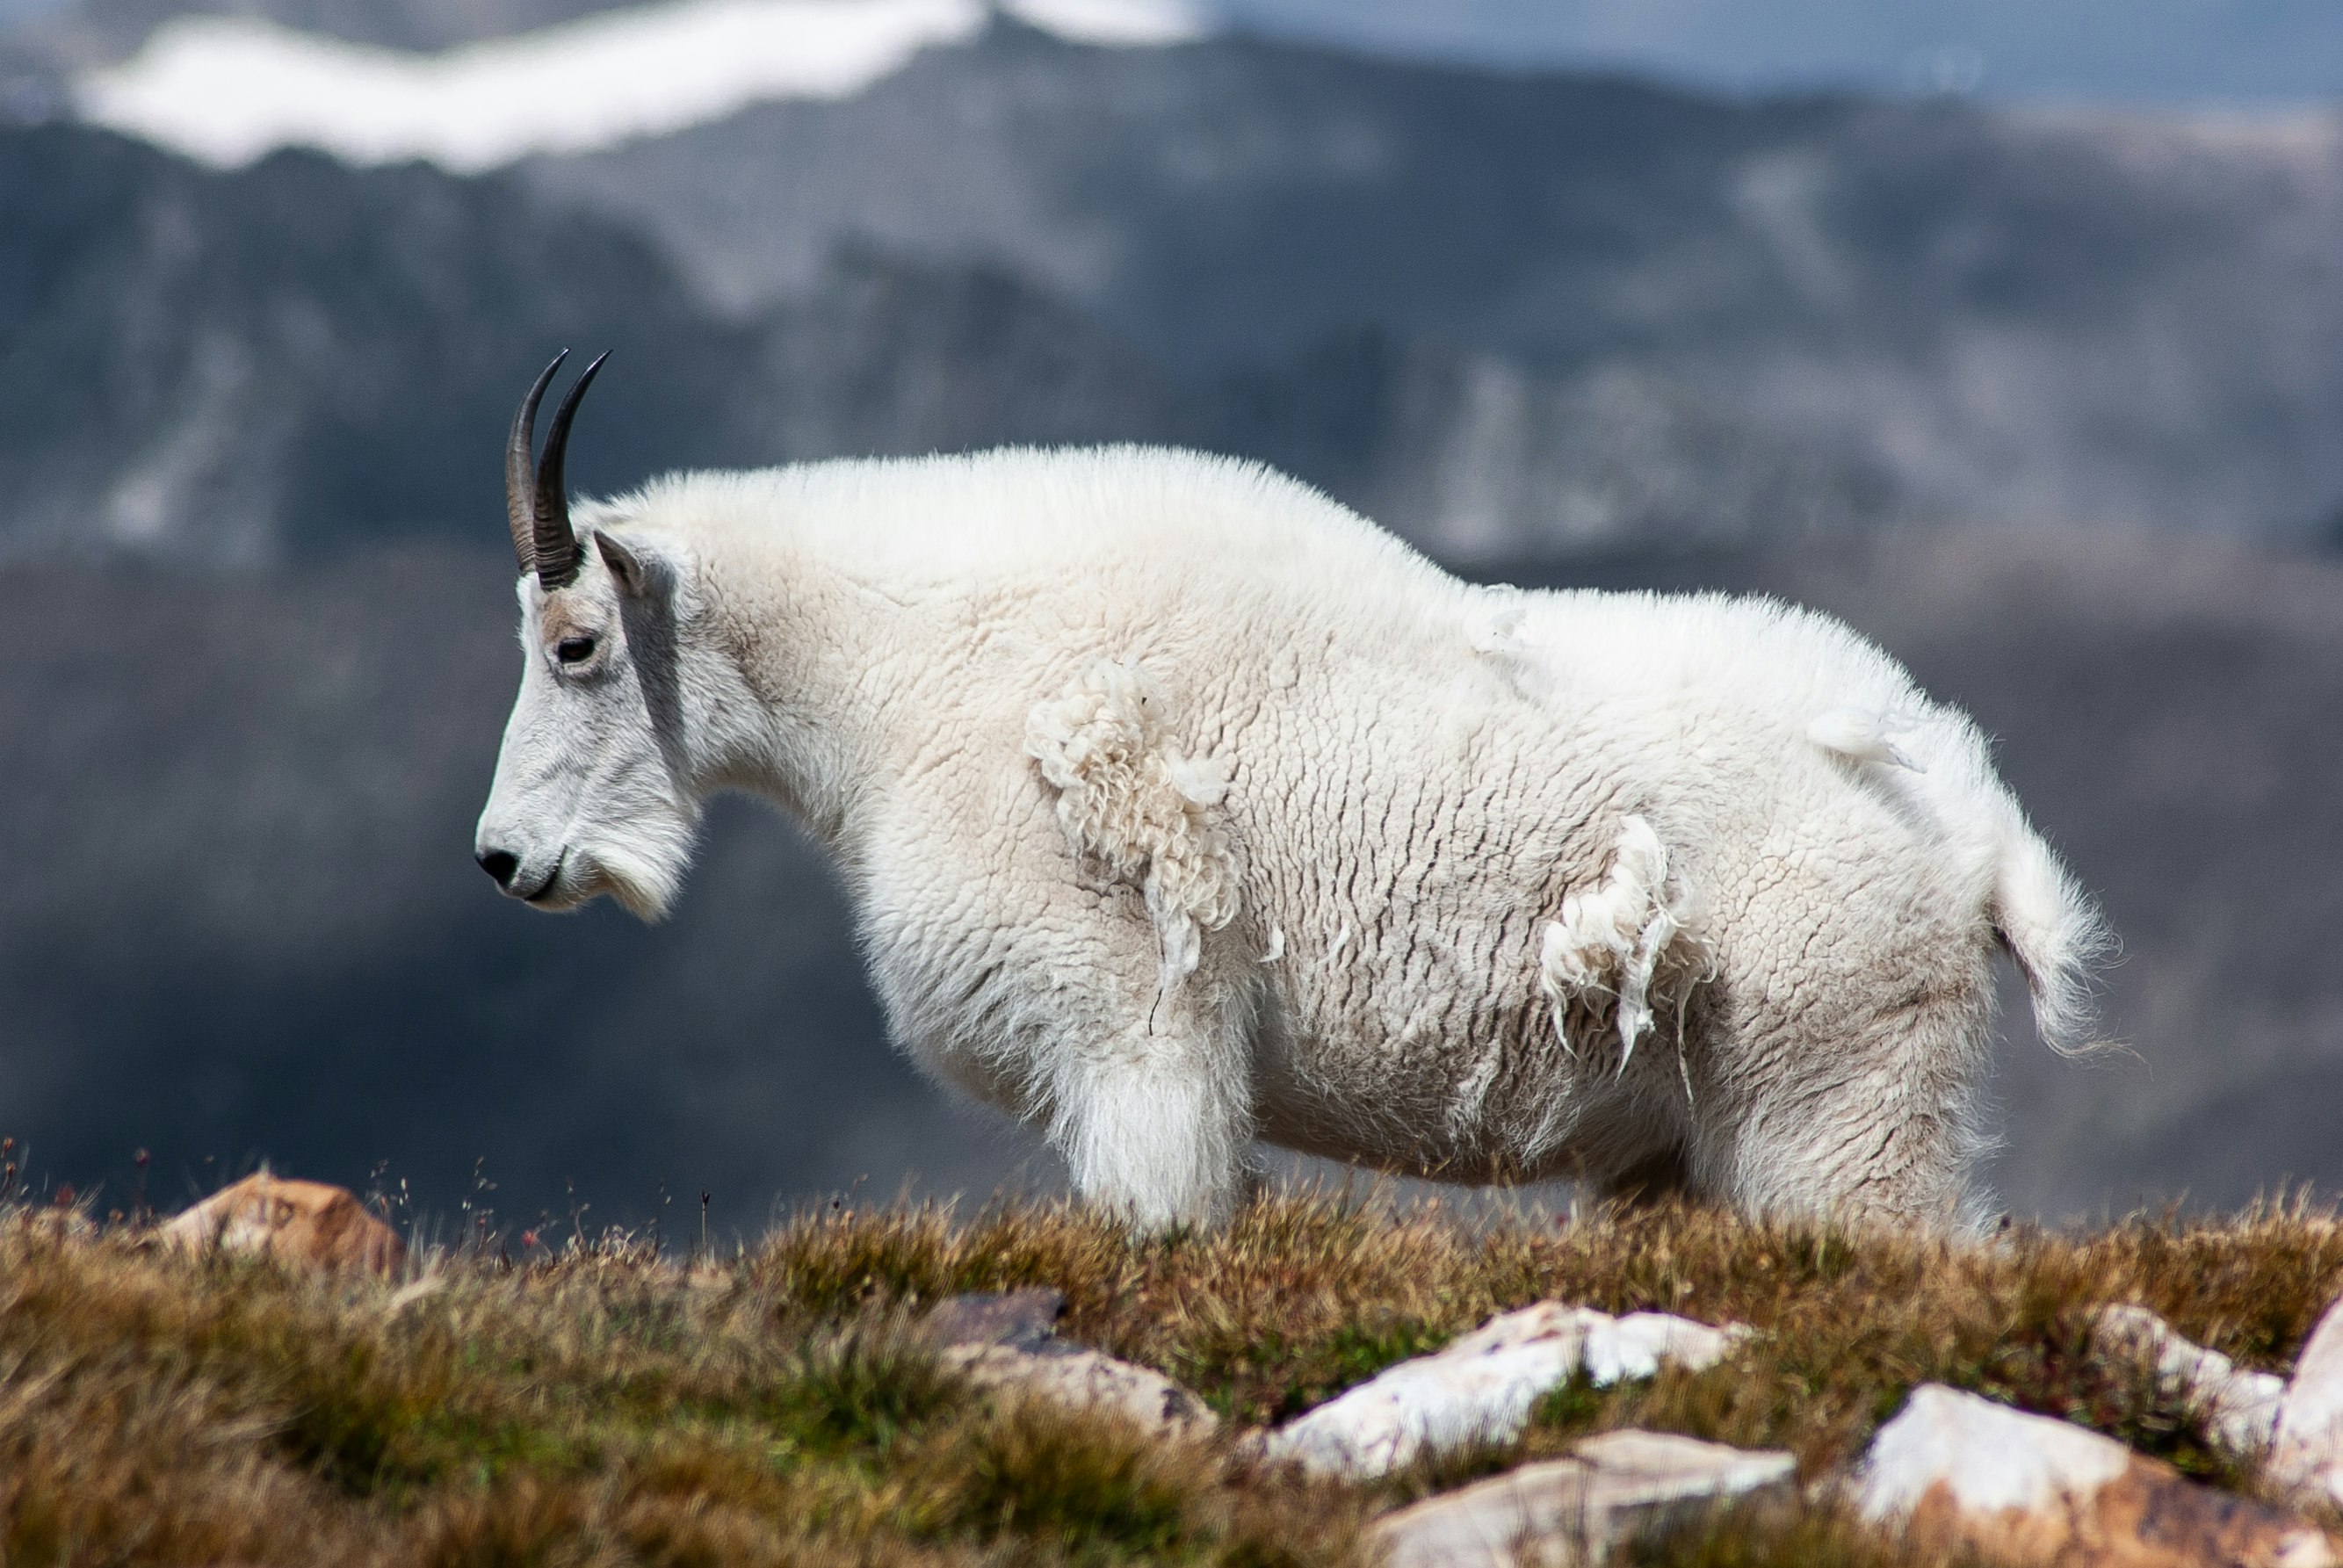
(608, 1407)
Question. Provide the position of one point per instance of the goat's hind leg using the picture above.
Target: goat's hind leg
(1867, 1125)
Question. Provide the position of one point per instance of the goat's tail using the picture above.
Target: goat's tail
(2053, 931)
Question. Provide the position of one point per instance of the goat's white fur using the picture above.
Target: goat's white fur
(1181, 808)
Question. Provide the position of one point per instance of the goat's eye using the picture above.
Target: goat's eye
(574, 649)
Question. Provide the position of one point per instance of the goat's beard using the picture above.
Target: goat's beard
(642, 865)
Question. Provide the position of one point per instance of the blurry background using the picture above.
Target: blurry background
(2011, 332)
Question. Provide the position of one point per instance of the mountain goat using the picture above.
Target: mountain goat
(1181, 808)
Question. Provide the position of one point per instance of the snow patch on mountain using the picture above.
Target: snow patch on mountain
(227, 90)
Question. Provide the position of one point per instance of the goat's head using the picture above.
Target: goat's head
(593, 792)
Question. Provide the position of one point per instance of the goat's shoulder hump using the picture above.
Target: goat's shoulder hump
(945, 515)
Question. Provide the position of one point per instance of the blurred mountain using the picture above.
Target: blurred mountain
(299, 357)
(2142, 52)
(104, 30)
(2171, 52)
(1918, 311)
(1507, 314)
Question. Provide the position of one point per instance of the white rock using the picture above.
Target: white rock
(2307, 1454)
(1986, 1456)
(1620, 1485)
(1960, 1470)
(1482, 1388)
(1086, 1379)
(2240, 1408)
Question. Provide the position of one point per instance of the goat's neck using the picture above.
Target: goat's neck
(809, 643)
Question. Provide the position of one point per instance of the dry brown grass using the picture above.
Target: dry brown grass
(603, 1407)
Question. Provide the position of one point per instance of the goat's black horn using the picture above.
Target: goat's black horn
(554, 542)
(520, 463)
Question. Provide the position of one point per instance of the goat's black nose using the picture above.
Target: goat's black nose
(500, 865)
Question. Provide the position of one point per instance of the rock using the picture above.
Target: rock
(1958, 1470)
(2307, 1452)
(2239, 1409)
(1007, 1341)
(1615, 1487)
(1482, 1388)
(1022, 1320)
(1086, 1379)
(306, 1222)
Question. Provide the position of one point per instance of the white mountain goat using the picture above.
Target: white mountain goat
(1181, 808)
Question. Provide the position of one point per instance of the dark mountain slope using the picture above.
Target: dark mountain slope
(242, 918)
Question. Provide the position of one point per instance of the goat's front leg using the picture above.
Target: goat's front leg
(1071, 961)
(1054, 1005)
(1154, 1119)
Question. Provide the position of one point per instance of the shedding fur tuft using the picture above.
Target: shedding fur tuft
(1615, 939)
(1860, 734)
(1136, 809)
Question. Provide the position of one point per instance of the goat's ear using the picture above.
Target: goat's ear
(630, 569)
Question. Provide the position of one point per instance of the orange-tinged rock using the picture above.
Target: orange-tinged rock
(1619, 1486)
(1083, 1379)
(309, 1223)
